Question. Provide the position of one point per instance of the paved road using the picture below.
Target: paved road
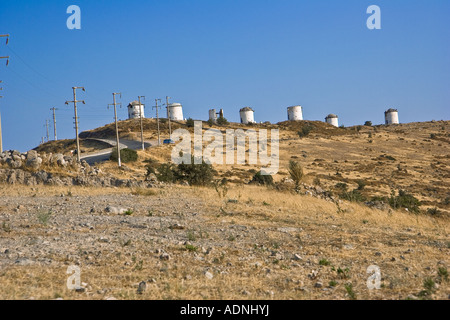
(103, 155)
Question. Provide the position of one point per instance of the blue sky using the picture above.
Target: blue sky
(227, 54)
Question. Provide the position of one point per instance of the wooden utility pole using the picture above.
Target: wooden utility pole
(1, 142)
(117, 126)
(7, 62)
(141, 111)
(157, 118)
(76, 118)
(168, 117)
(46, 127)
(54, 121)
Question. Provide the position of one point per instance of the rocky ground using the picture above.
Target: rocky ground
(175, 242)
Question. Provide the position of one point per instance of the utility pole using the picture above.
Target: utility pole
(117, 126)
(54, 121)
(141, 109)
(7, 62)
(76, 117)
(157, 118)
(168, 116)
(1, 142)
(46, 127)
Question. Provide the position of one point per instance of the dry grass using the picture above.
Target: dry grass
(241, 262)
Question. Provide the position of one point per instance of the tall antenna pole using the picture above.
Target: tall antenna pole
(168, 116)
(76, 118)
(54, 121)
(117, 127)
(157, 119)
(1, 142)
(141, 109)
(7, 62)
(46, 127)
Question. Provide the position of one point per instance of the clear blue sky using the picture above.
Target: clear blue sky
(225, 54)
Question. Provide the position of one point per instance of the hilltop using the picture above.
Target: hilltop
(379, 160)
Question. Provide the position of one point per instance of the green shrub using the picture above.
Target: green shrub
(353, 196)
(166, 173)
(190, 123)
(126, 155)
(341, 185)
(404, 200)
(368, 123)
(305, 131)
(222, 121)
(433, 211)
(195, 174)
(296, 172)
(258, 178)
(361, 184)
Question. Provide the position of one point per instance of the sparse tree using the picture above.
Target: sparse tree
(296, 173)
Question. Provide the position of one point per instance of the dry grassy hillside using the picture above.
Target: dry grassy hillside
(412, 157)
(242, 241)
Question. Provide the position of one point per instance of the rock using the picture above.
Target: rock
(34, 163)
(318, 285)
(165, 256)
(142, 287)
(378, 254)
(297, 257)
(115, 210)
(289, 229)
(209, 275)
(348, 247)
(24, 262)
(32, 154)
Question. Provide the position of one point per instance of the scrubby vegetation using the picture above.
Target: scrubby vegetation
(126, 155)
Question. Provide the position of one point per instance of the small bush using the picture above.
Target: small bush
(306, 130)
(126, 155)
(258, 178)
(368, 123)
(361, 184)
(190, 123)
(350, 292)
(296, 172)
(166, 173)
(195, 174)
(129, 212)
(433, 211)
(44, 217)
(222, 121)
(341, 185)
(210, 122)
(404, 200)
(324, 262)
(353, 196)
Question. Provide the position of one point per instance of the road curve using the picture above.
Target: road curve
(103, 155)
